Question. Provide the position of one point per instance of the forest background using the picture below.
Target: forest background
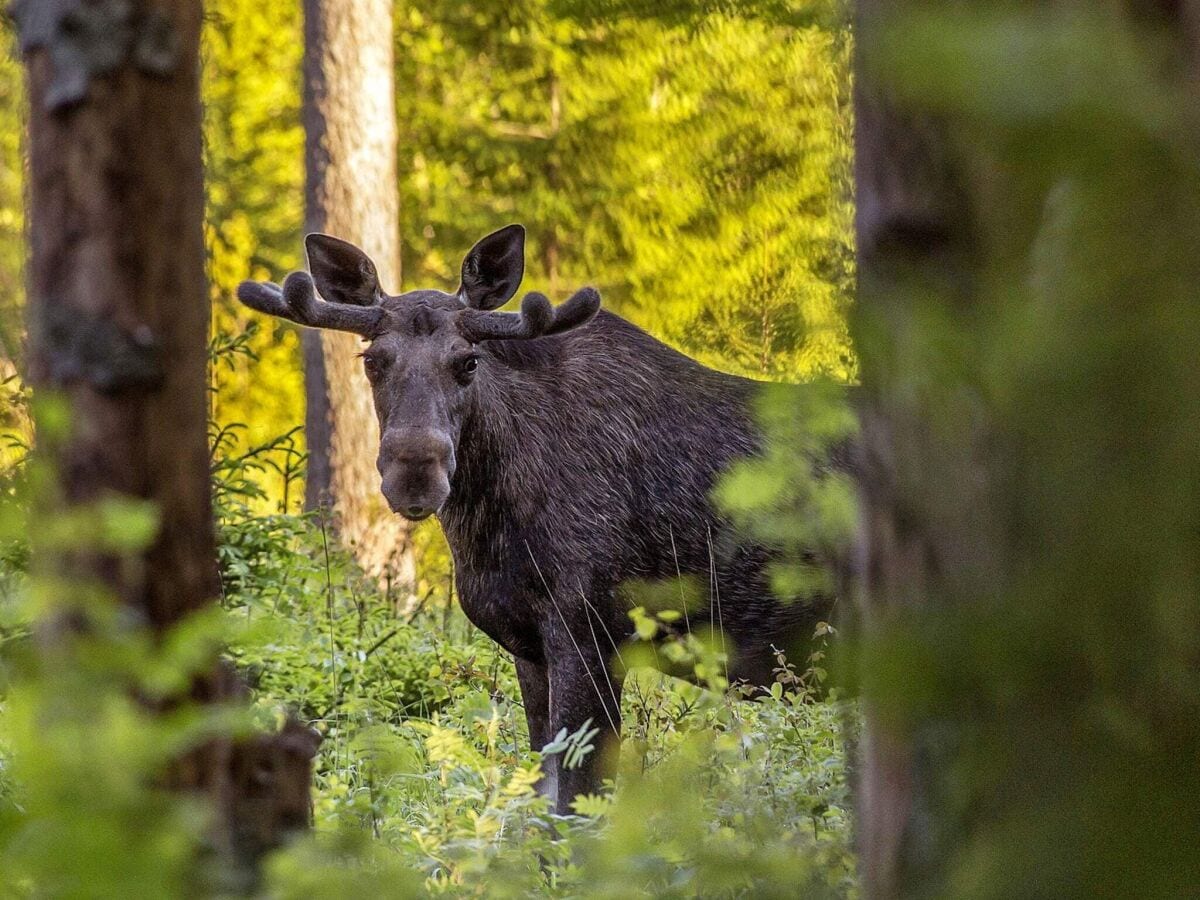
(697, 173)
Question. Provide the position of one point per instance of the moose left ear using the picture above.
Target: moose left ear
(342, 272)
(492, 271)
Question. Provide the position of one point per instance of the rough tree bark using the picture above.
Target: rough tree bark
(938, 528)
(118, 314)
(352, 193)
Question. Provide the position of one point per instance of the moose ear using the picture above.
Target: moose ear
(342, 272)
(492, 271)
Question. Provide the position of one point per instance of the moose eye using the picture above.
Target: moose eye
(466, 368)
(374, 366)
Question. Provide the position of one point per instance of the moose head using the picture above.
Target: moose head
(423, 358)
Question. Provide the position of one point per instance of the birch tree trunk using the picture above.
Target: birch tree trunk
(352, 193)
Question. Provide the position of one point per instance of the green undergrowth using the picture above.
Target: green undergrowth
(424, 780)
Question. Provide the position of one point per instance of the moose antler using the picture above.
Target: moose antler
(537, 318)
(297, 302)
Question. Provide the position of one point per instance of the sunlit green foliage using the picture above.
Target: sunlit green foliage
(699, 176)
(254, 168)
(731, 163)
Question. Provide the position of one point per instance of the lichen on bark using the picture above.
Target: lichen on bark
(87, 39)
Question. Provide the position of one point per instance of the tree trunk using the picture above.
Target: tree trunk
(1022, 284)
(118, 305)
(352, 193)
(118, 316)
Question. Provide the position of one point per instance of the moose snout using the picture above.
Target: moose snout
(415, 465)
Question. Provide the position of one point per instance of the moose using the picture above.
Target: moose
(566, 453)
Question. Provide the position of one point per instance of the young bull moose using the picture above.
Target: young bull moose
(565, 452)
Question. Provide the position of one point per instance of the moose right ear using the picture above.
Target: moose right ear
(342, 272)
(492, 271)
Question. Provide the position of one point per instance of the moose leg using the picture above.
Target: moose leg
(583, 688)
(535, 694)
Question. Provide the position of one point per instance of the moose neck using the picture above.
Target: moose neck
(507, 432)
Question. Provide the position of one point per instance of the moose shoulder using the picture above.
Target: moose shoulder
(565, 452)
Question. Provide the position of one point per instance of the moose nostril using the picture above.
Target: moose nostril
(418, 461)
(417, 512)
(416, 448)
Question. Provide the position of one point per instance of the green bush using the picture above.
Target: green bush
(425, 780)
(425, 765)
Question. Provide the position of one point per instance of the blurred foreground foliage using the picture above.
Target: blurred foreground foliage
(1035, 397)
(84, 740)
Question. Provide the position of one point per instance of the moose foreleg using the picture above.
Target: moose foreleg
(582, 688)
(535, 694)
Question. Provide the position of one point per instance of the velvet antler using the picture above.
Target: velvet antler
(537, 318)
(296, 301)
